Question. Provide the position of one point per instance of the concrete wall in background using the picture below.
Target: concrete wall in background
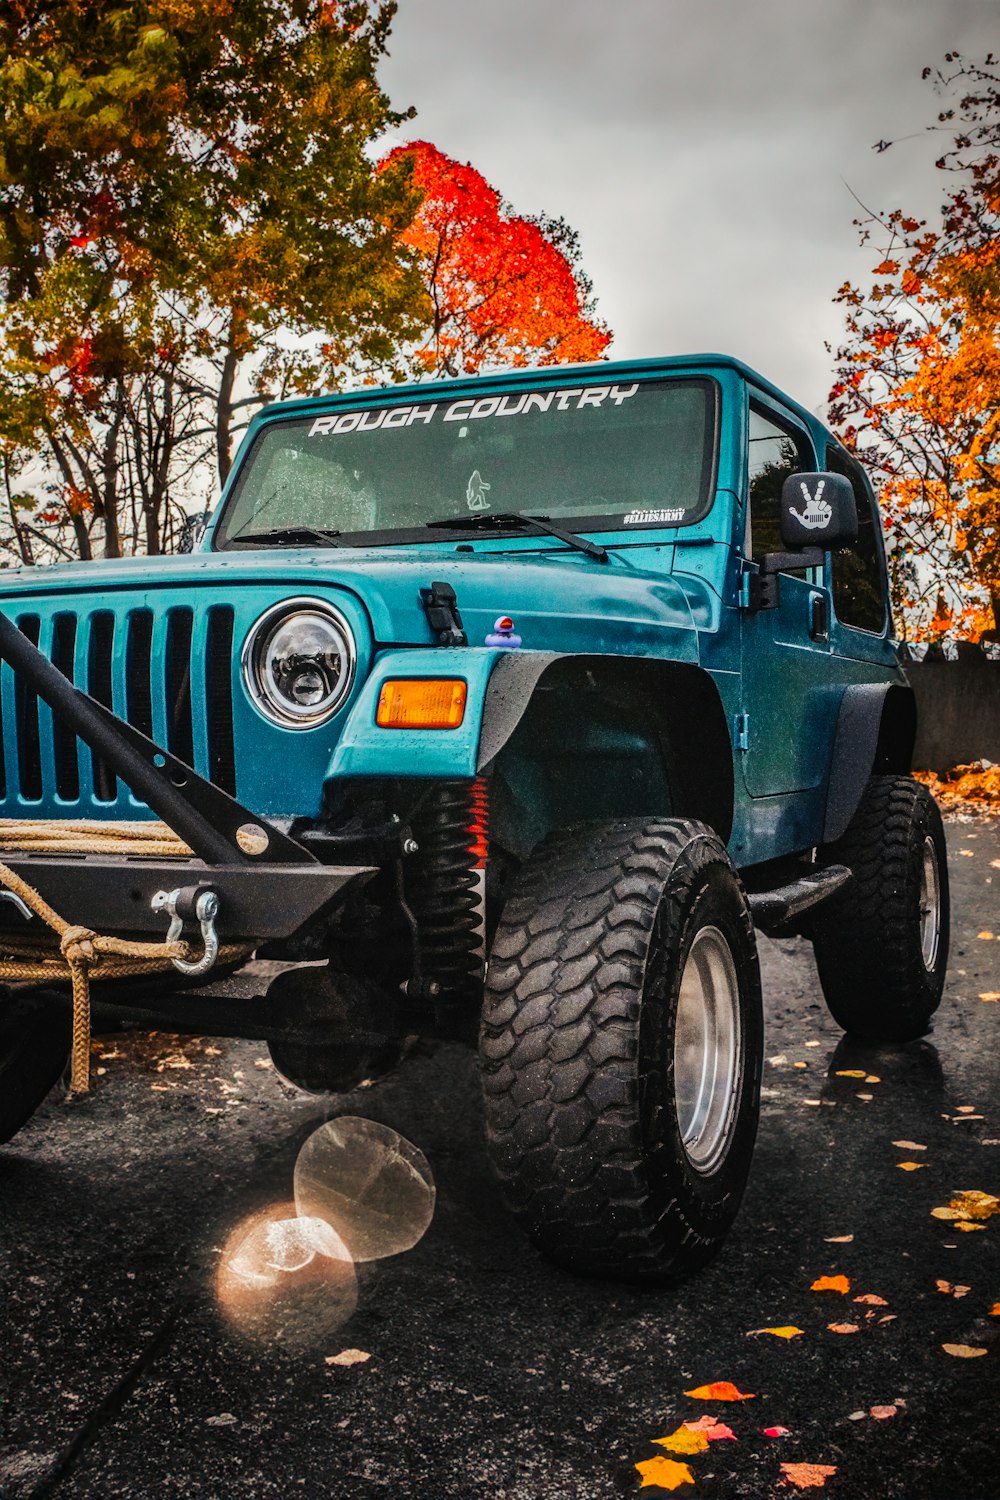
(958, 712)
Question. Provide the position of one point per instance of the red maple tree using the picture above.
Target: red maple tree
(503, 289)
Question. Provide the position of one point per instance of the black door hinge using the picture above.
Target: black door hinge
(441, 609)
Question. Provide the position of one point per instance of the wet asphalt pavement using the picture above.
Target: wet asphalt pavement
(492, 1374)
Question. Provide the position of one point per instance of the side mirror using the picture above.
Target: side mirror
(818, 510)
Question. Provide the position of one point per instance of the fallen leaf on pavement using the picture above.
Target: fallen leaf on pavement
(719, 1390)
(994, 1311)
(966, 1227)
(952, 1291)
(838, 1239)
(889, 1318)
(786, 1331)
(991, 995)
(667, 1473)
(969, 1204)
(872, 1078)
(883, 1413)
(712, 1428)
(910, 1166)
(348, 1357)
(851, 1073)
(684, 1440)
(909, 1146)
(807, 1476)
(831, 1284)
(984, 935)
(776, 1431)
(843, 1327)
(871, 1300)
(963, 1351)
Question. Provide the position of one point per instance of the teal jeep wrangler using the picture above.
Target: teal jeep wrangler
(508, 709)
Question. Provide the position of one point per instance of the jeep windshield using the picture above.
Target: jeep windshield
(594, 457)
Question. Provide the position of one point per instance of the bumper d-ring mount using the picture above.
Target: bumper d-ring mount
(186, 903)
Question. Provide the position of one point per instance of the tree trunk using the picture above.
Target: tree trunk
(224, 402)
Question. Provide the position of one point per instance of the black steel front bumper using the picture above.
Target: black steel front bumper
(257, 903)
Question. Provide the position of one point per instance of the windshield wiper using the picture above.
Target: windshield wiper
(499, 520)
(279, 534)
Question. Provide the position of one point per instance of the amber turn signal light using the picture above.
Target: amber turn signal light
(421, 703)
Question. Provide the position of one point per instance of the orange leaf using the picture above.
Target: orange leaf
(719, 1390)
(838, 1239)
(786, 1331)
(991, 995)
(712, 1429)
(883, 1413)
(872, 1300)
(666, 1473)
(684, 1440)
(994, 1311)
(851, 1073)
(807, 1476)
(842, 1327)
(910, 1166)
(963, 1351)
(831, 1284)
(909, 1146)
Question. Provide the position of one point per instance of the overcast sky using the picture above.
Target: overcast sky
(704, 149)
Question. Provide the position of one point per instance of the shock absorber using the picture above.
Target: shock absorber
(447, 885)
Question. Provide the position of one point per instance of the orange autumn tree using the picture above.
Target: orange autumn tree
(503, 289)
(917, 391)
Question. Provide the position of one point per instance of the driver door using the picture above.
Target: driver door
(784, 651)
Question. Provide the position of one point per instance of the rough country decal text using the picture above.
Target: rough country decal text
(472, 409)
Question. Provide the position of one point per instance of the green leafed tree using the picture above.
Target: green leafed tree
(190, 215)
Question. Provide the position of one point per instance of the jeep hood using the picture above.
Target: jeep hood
(559, 601)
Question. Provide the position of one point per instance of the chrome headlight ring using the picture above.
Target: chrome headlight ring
(298, 662)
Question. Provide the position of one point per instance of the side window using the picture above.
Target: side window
(775, 452)
(858, 592)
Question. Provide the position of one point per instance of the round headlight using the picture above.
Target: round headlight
(298, 662)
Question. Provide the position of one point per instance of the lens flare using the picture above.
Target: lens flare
(287, 1278)
(374, 1187)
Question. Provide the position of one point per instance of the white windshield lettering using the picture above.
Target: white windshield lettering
(458, 411)
(594, 396)
(563, 397)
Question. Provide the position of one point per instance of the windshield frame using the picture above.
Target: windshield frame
(613, 523)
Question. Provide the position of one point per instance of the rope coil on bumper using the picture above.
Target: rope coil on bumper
(83, 954)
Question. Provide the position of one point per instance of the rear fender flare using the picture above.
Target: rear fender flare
(875, 735)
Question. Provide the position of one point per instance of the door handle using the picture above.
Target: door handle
(819, 617)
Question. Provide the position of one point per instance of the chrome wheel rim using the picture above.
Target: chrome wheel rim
(707, 1045)
(930, 904)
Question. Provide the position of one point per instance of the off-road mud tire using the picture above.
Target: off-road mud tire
(577, 1047)
(868, 938)
(34, 1048)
